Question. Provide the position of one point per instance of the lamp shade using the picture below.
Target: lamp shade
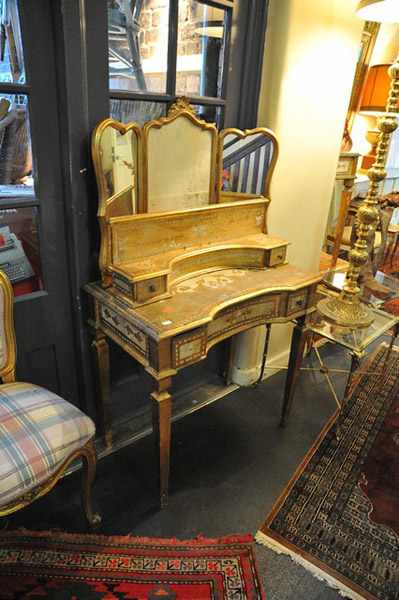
(376, 90)
(382, 11)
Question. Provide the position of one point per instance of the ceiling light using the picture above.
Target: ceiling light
(381, 11)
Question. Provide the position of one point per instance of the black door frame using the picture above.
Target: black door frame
(43, 319)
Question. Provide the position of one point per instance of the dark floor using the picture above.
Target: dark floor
(230, 461)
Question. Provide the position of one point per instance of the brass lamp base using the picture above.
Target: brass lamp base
(344, 313)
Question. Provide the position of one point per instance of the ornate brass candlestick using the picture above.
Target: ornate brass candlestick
(347, 309)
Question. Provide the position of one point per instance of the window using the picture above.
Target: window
(19, 239)
(161, 49)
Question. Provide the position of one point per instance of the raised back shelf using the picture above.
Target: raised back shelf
(151, 252)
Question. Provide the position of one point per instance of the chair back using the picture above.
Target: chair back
(7, 331)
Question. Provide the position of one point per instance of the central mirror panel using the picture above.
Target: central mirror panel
(180, 161)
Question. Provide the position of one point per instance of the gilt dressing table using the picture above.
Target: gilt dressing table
(183, 264)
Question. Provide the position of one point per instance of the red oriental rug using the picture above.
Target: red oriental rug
(63, 566)
(339, 515)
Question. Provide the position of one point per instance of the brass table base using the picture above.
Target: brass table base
(345, 313)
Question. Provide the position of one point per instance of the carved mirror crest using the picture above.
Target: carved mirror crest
(247, 160)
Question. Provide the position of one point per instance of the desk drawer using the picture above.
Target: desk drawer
(126, 330)
(260, 309)
(297, 301)
(188, 348)
(277, 256)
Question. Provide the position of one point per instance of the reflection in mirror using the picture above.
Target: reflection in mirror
(248, 160)
(117, 164)
(181, 169)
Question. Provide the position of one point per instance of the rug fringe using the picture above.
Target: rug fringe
(264, 540)
(94, 538)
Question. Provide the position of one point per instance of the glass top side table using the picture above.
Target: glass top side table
(355, 340)
(334, 281)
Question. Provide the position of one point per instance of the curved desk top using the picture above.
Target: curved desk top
(196, 301)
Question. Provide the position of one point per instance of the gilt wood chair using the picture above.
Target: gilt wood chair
(40, 433)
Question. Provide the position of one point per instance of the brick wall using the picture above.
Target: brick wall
(152, 21)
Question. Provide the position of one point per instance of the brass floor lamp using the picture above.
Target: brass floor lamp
(347, 309)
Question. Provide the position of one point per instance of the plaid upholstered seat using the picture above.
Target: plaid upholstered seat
(38, 432)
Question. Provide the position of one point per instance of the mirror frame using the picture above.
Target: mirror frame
(182, 108)
(367, 43)
(242, 134)
(105, 201)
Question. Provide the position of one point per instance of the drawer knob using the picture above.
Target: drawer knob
(299, 302)
(152, 287)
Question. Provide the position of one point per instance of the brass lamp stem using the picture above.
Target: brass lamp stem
(347, 309)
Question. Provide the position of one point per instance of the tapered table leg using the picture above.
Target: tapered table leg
(100, 350)
(161, 422)
(298, 341)
(355, 364)
(394, 335)
(264, 355)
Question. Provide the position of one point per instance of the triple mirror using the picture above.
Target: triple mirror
(178, 162)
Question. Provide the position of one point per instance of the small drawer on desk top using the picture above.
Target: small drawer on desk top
(149, 288)
(297, 301)
(276, 256)
(188, 347)
(128, 332)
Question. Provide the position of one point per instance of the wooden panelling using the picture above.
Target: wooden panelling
(142, 236)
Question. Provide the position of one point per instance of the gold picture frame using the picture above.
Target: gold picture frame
(368, 40)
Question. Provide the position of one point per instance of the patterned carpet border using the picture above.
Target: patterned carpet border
(53, 565)
(347, 497)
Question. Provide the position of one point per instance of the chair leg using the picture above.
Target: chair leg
(89, 460)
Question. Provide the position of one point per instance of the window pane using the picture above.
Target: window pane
(11, 53)
(138, 44)
(200, 49)
(136, 110)
(212, 114)
(19, 249)
(15, 146)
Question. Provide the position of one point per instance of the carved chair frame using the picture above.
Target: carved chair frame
(87, 452)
